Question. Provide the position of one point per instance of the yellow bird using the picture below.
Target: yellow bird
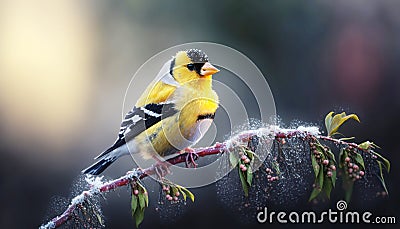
(172, 114)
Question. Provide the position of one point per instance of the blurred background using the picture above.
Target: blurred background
(65, 66)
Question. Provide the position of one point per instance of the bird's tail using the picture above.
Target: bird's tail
(100, 165)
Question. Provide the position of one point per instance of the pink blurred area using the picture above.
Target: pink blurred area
(65, 66)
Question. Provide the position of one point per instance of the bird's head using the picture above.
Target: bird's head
(191, 64)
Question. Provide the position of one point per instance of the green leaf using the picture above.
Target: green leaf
(249, 175)
(233, 159)
(315, 165)
(250, 154)
(321, 178)
(244, 183)
(184, 195)
(146, 199)
(333, 178)
(275, 166)
(139, 216)
(188, 193)
(99, 218)
(338, 120)
(368, 145)
(348, 187)
(134, 202)
(142, 202)
(319, 182)
(343, 154)
(359, 159)
(385, 161)
(328, 187)
(381, 176)
(181, 191)
(346, 139)
(328, 121)
(314, 194)
(331, 156)
(143, 190)
(174, 189)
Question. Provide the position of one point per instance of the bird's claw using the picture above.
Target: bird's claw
(162, 169)
(191, 157)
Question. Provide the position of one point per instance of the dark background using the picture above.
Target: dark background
(65, 66)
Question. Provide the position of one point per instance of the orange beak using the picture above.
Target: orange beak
(208, 69)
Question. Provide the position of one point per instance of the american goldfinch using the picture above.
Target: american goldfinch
(172, 114)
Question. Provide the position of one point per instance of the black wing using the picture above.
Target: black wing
(139, 119)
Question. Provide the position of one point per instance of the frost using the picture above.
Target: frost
(313, 130)
(49, 225)
(95, 183)
(78, 199)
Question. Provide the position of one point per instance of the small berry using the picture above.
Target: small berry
(355, 167)
(247, 161)
(347, 159)
(168, 196)
(329, 174)
(362, 173)
(333, 167)
(177, 193)
(268, 176)
(358, 177)
(244, 169)
(244, 157)
(241, 166)
(136, 192)
(268, 170)
(350, 164)
(350, 170)
(325, 162)
(175, 198)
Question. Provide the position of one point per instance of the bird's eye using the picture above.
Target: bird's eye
(190, 67)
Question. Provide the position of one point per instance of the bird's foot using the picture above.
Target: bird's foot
(191, 157)
(161, 169)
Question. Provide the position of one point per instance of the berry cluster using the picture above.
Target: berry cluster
(321, 156)
(138, 189)
(270, 176)
(245, 161)
(353, 170)
(171, 193)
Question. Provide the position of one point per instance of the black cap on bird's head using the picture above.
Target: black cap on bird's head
(197, 56)
(191, 64)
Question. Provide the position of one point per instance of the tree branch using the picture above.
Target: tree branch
(273, 132)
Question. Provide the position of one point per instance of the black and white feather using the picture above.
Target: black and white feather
(135, 122)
